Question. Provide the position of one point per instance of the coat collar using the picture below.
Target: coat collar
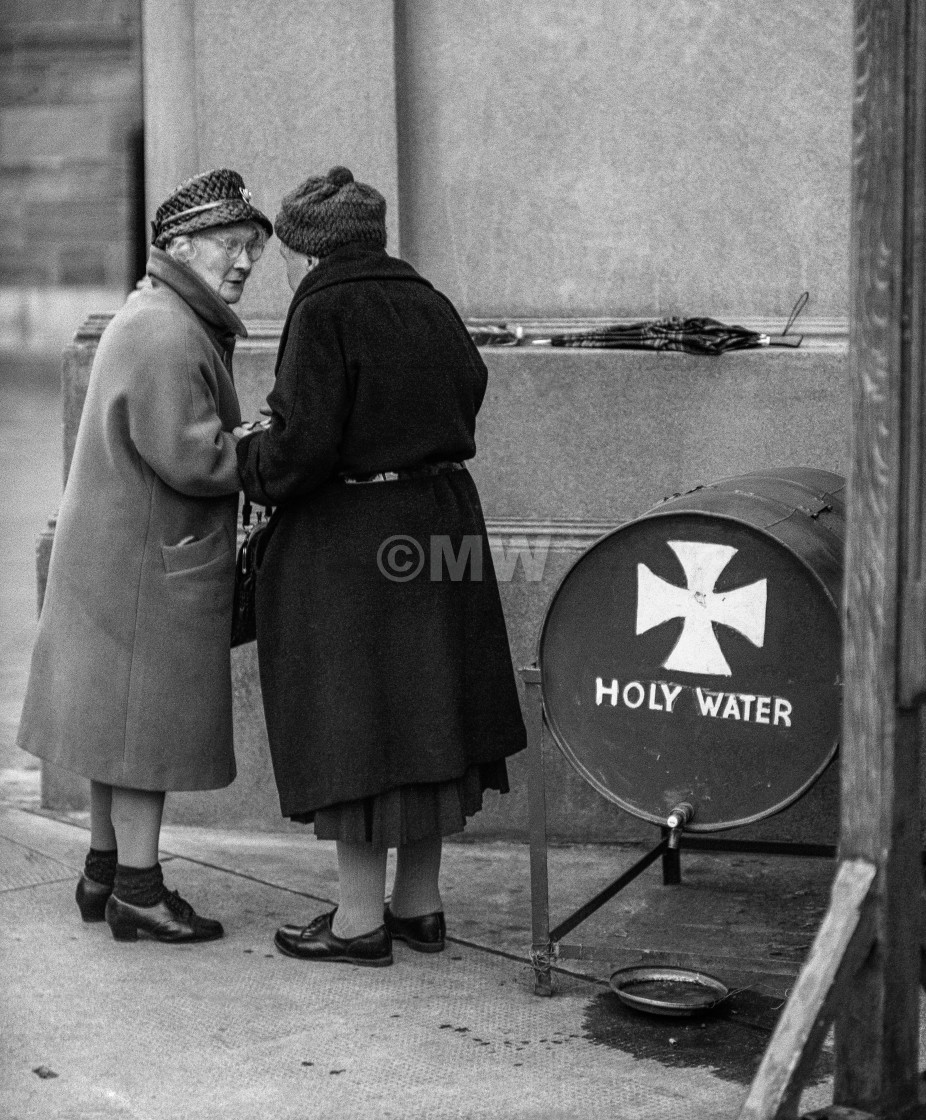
(354, 262)
(194, 291)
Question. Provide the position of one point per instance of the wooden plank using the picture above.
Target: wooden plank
(911, 669)
(876, 1027)
(874, 358)
(843, 941)
(923, 941)
(877, 1048)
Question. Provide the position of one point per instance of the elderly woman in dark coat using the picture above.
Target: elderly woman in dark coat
(131, 683)
(387, 680)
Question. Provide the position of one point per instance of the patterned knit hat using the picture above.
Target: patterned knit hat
(214, 198)
(330, 210)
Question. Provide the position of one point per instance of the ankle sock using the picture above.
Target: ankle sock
(100, 866)
(139, 886)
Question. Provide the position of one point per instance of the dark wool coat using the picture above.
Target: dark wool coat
(369, 682)
(131, 682)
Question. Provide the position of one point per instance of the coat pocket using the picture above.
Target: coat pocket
(189, 555)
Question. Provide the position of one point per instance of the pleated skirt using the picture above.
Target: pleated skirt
(409, 814)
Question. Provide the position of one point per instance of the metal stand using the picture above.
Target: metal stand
(546, 943)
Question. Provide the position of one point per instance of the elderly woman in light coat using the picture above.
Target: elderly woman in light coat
(130, 683)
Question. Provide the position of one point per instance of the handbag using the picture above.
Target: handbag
(244, 606)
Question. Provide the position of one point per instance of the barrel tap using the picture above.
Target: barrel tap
(676, 821)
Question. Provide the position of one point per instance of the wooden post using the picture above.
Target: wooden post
(874, 993)
(877, 1030)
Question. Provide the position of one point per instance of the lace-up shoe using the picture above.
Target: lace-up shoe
(424, 934)
(91, 899)
(172, 919)
(317, 942)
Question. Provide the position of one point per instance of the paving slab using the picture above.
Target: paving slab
(232, 1029)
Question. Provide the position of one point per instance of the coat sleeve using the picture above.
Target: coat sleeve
(173, 420)
(477, 365)
(309, 405)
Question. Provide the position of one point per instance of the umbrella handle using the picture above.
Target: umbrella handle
(800, 303)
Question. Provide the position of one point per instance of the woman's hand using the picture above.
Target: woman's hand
(248, 427)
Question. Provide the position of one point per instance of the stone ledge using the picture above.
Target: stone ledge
(815, 332)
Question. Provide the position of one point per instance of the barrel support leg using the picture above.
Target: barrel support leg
(541, 948)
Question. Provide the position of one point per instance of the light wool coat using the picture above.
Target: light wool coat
(130, 681)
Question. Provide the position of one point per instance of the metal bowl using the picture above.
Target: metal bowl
(661, 990)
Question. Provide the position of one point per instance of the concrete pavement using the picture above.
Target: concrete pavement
(92, 1028)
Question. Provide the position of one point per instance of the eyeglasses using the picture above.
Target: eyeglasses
(233, 245)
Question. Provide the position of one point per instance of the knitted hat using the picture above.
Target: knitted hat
(214, 198)
(330, 210)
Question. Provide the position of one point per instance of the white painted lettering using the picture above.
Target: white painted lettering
(662, 696)
(602, 690)
(731, 710)
(708, 702)
(670, 693)
(782, 711)
(640, 694)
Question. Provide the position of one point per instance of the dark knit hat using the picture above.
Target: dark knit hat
(330, 210)
(214, 198)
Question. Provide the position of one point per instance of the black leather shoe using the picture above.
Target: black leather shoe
(424, 934)
(316, 942)
(171, 919)
(91, 899)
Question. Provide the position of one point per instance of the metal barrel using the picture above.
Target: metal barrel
(694, 654)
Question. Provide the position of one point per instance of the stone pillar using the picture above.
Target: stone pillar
(169, 83)
(277, 93)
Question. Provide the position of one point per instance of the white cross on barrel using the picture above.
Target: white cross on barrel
(697, 649)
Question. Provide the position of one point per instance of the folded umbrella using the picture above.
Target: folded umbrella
(695, 336)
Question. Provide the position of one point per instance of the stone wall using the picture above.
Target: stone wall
(544, 161)
(70, 162)
(70, 121)
(607, 158)
(620, 158)
(604, 158)
(571, 443)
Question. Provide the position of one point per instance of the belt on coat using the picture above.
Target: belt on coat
(424, 471)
